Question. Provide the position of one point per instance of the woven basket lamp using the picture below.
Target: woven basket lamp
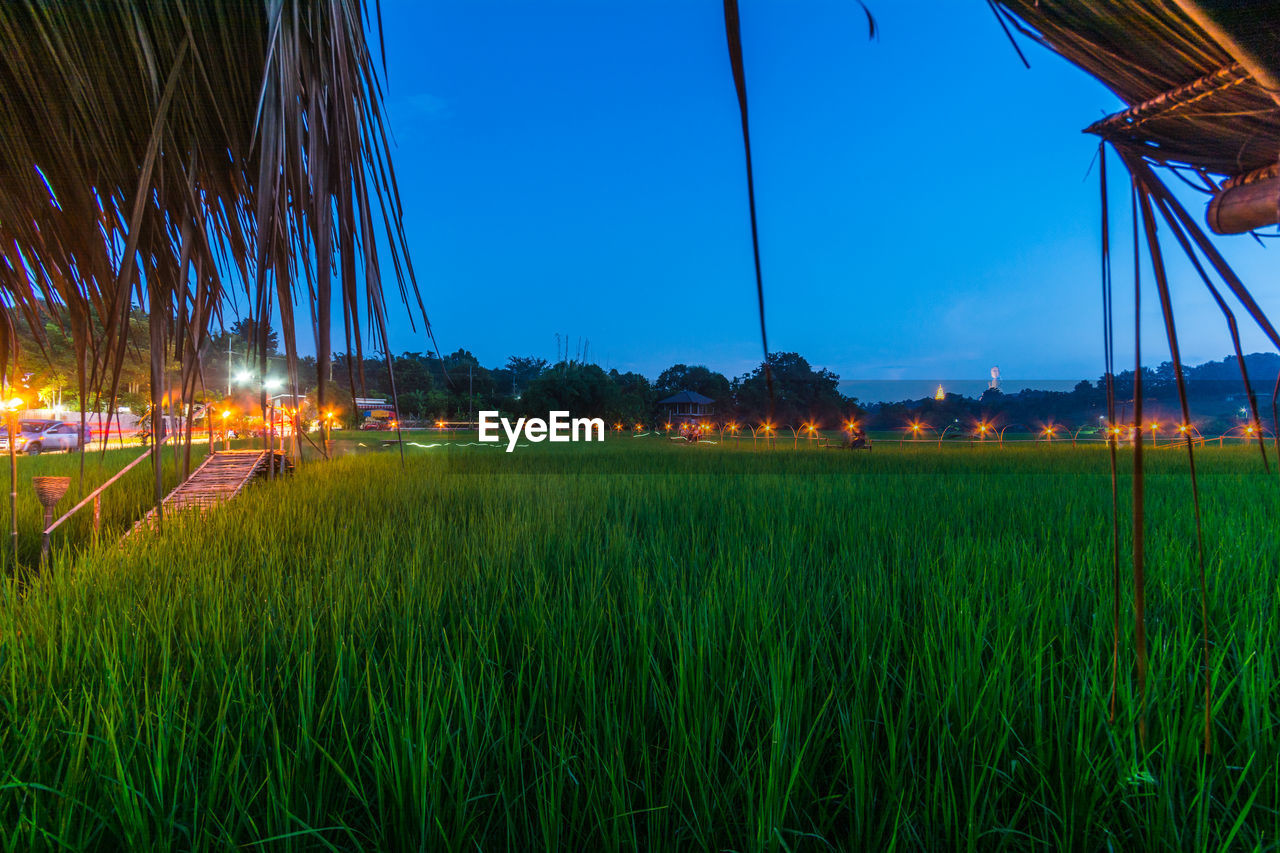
(49, 490)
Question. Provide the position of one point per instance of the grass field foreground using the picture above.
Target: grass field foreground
(642, 645)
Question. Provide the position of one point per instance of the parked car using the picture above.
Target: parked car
(37, 436)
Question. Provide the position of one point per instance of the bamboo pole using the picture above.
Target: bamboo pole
(1139, 490)
(95, 495)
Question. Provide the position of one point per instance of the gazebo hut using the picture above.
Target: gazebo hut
(686, 407)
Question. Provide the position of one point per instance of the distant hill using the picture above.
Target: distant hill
(1261, 365)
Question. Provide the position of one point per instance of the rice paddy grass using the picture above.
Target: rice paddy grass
(640, 645)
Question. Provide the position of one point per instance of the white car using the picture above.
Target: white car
(37, 436)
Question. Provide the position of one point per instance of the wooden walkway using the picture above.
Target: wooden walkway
(222, 476)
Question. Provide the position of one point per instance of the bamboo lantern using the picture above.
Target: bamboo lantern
(49, 490)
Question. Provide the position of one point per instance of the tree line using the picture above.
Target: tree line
(1216, 396)
(455, 387)
(452, 387)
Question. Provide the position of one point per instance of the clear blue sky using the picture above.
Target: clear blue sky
(925, 202)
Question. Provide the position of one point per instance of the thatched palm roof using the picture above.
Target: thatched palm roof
(175, 153)
(1200, 78)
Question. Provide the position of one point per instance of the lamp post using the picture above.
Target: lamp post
(269, 385)
(915, 427)
(763, 429)
(11, 412)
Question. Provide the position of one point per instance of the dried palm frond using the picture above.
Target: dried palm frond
(176, 154)
(1191, 101)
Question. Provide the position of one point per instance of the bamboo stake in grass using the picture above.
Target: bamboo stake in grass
(1139, 495)
(1166, 307)
(1108, 347)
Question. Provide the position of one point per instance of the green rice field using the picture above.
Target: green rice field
(643, 645)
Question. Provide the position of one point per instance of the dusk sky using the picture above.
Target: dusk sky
(926, 204)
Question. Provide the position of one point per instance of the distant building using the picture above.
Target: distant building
(686, 407)
(288, 401)
(374, 409)
(940, 394)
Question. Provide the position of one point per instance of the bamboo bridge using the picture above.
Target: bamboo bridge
(222, 476)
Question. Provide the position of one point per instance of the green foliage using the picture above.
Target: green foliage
(700, 379)
(48, 375)
(799, 393)
(253, 336)
(583, 389)
(646, 645)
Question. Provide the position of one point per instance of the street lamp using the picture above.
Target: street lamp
(914, 428)
(269, 384)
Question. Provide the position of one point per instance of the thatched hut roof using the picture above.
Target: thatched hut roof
(1200, 78)
(686, 397)
(177, 155)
